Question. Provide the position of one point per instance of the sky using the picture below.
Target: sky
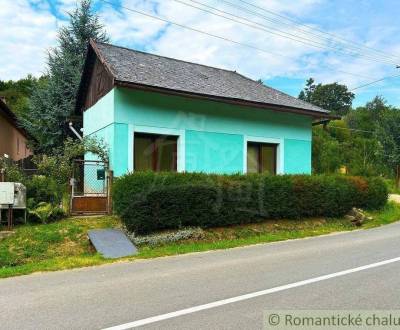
(282, 42)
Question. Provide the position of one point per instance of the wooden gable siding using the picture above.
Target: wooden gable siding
(100, 83)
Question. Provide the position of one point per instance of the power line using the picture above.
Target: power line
(214, 35)
(327, 39)
(281, 33)
(373, 82)
(197, 30)
(397, 57)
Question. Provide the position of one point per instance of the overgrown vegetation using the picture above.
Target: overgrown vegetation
(59, 164)
(364, 142)
(48, 187)
(44, 106)
(147, 201)
(64, 244)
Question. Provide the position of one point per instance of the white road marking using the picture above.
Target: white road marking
(247, 296)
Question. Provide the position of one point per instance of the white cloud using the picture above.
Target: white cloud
(130, 28)
(24, 38)
(31, 31)
(66, 6)
(126, 28)
(289, 59)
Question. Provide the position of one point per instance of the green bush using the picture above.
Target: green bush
(45, 213)
(12, 172)
(147, 202)
(40, 188)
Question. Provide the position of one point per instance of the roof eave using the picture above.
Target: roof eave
(12, 119)
(279, 108)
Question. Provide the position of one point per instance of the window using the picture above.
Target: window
(154, 152)
(261, 157)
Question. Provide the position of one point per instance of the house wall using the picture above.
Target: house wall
(12, 141)
(212, 135)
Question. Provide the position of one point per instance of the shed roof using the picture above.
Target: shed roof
(6, 112)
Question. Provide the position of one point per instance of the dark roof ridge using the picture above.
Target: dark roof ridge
(280, 92)
(167, 57)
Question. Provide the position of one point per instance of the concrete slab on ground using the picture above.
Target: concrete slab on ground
(112, 243)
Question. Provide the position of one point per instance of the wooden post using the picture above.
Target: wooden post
(10, 217)
(71, 195)
(109, 197)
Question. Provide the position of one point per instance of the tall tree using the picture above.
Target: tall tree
(333, 97)
(387, 132)
(54, 102)
(327, 155)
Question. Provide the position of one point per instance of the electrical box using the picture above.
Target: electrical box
(19, 196)
(12, 194)
(6, 193)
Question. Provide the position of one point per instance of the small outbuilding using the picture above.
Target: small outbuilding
(13, 138)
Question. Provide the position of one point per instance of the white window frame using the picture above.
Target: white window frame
(279, 151)
(181, 148)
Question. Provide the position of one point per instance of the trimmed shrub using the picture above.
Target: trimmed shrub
(148, 202)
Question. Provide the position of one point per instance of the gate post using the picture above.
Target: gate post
(110, 178)
(71, 192)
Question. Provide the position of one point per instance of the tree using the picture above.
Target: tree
(326, 150)
(308, 91)
(54, 102)
(333, 97)
(389, 137)
(18, 92)
(377, 107)
(378, 122)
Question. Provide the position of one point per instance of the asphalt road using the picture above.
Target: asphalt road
(118, 294)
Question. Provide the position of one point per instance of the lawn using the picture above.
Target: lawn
(54, 246)
(64, 244)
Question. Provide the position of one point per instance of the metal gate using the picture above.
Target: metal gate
(90, 187)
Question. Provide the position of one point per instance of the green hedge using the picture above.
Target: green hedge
(147, 201)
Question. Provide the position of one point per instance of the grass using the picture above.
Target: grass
(59, 245)
(64, 244)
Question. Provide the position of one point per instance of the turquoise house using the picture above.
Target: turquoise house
(162, 114)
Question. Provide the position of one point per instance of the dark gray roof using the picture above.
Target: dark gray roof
(137, 67)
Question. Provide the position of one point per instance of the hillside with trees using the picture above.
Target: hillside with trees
(364, 142)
